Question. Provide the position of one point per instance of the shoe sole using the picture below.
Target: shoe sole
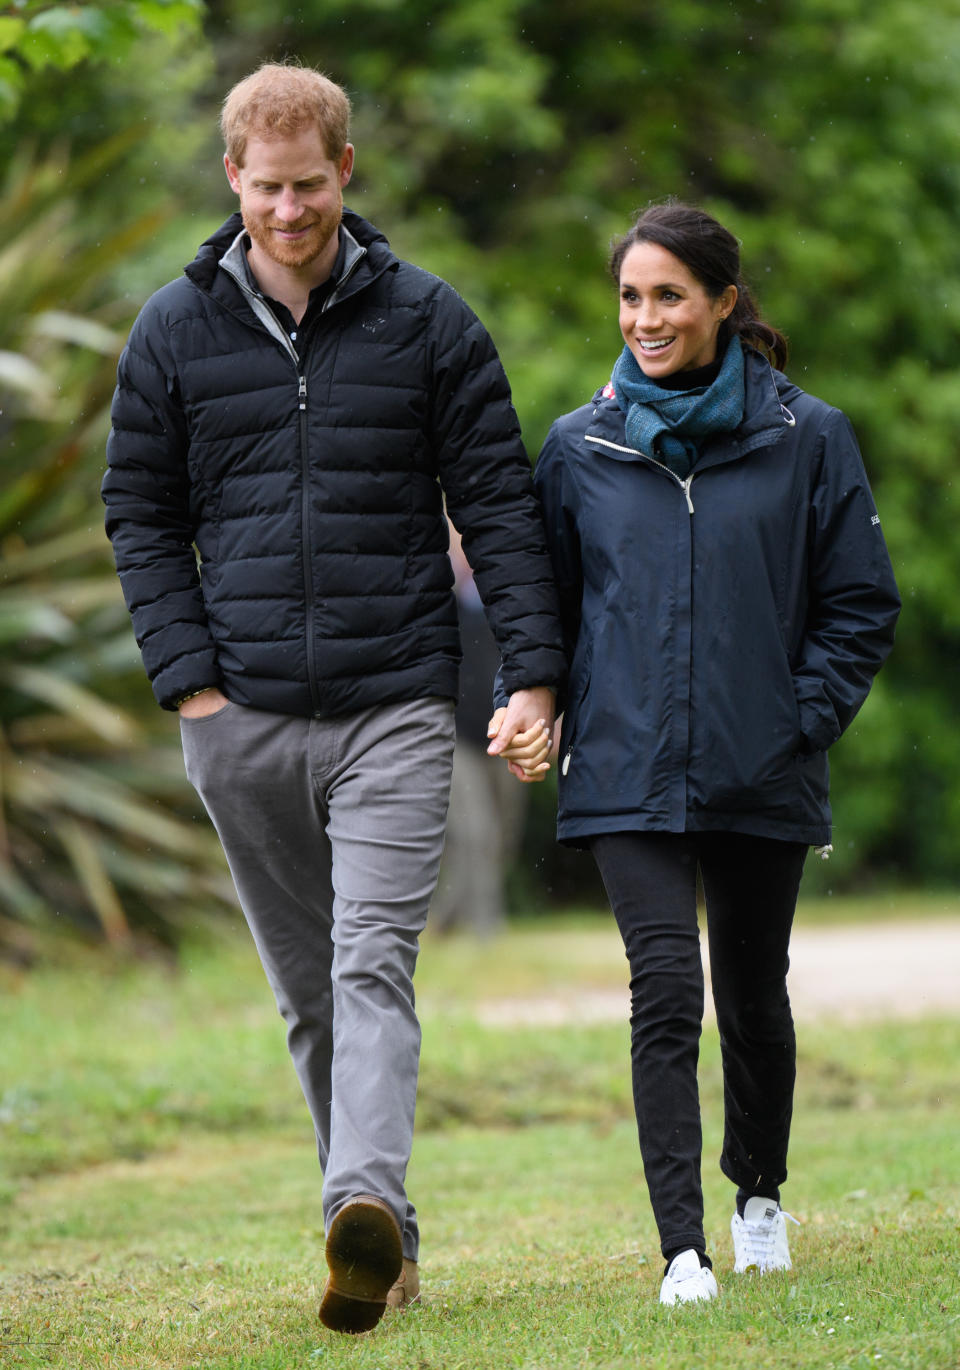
(365, 1256)
(707, 1296)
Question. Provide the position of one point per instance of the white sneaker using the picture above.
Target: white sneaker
(760, 1237)
(687, 1280)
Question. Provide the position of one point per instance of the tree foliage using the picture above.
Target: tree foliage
(97, 831)
(39, 36)
(95, 828)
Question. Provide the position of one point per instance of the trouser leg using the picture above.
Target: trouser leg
(650, 880)
(333, 832)
(751, 886)
(387, 805)
(251, 770)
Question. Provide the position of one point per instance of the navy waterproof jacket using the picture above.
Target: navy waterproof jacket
(277, 520)
(722, 631)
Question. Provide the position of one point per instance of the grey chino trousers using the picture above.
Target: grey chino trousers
(333, 831)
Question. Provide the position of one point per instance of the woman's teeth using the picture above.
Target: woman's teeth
(657, 345)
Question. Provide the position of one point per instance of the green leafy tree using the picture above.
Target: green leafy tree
(97, 830)
(38, 36)
(93, 825)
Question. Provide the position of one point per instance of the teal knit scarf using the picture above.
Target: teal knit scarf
(665, 424)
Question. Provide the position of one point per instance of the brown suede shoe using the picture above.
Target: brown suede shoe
(406, 1290)
(365, 1258)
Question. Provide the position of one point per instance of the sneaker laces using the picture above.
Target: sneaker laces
(688, 1277)
(760, 1238)
(687, 1282)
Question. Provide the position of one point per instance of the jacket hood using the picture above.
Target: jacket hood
(766, 395)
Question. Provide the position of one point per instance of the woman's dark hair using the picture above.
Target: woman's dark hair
(712, 254)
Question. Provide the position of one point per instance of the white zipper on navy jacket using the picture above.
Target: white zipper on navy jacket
(684, 484)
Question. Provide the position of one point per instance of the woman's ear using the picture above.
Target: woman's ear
(726, 302)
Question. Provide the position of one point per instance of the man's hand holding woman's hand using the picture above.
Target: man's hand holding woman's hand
(522, 733)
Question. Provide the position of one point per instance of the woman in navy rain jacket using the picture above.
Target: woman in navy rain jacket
(728, 599)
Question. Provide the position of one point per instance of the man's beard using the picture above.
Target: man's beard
(297, 254)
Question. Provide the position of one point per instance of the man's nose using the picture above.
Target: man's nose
(288, 207)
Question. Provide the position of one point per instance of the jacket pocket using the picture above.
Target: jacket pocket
(203, 740)
(746, 738)
(574, 715)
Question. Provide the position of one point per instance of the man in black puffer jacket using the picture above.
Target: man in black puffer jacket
(289, 416)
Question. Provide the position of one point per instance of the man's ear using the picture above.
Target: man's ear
(346, 165)
(233, 173)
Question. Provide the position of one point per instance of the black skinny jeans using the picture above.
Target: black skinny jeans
(750, 885)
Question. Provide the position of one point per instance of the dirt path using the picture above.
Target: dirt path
(864, 971)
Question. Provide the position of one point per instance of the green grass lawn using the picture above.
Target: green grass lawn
(159, 1194)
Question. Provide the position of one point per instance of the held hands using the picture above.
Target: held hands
(522, 733)
(527, 755)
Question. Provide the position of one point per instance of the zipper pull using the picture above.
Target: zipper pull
(686, 490)
(302, 393)
(566, 762)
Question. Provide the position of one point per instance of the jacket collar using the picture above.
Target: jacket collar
(765, 420)
(368, 256)
(234, 263)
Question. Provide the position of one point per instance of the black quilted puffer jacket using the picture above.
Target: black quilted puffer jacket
(277, 522)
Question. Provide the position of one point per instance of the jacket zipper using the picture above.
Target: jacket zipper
(300, 366)
(260, 306)
(684, 486)
(579, 702)
(634, 452)
(308, 588)
(308, 595)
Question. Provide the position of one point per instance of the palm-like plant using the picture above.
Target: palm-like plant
(98, 827)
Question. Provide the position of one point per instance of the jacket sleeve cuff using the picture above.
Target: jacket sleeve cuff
(500, 696)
